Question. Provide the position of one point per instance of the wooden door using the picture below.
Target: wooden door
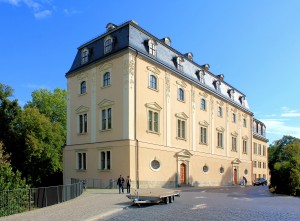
(235, 176)
(182, 173)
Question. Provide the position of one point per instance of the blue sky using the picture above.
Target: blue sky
(255, 44)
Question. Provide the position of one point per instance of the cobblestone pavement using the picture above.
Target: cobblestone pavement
(228, 203)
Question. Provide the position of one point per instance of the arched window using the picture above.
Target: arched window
(180, 94)
(83, 87)
(153, 82)
(106, 79)
(203, 104)
(108, 42)
(220, 112)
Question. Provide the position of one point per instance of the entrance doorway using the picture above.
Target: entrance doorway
(182, 173)
(235, 176)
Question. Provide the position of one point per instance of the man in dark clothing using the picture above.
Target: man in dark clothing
(128, 184)
(120, 184)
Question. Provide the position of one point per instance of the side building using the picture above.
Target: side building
(140, 108)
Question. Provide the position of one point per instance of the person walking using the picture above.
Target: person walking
(120, 183)
(245, 181)
(128, 184)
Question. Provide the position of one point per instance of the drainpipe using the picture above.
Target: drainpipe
(137, 172)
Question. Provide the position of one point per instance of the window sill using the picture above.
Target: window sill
(153, 132)
(107, 86)
(105, 130)
(181, 138)
(153, 89)
(220, 147)
(82, 94)
(104, 170)
(81, 170)
(234, 151)
(81, 134)
(206, 144)
(183, 101)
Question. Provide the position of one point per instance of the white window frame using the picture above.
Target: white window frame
(153, 126)
(106, 82)
(220, 139)
(108, 47)
(179, 60)
(81, 160)
(82, 123)
(203, 135)
(245, 146)
(234, 144)
(81, 87)
(220, 111)
(179, 94)
(153, 76)
(152, 47)
(181, 126)
(104, 162)
(203, 104)
(233, 118)
(84, 56)
(201, 76)
(106, 111)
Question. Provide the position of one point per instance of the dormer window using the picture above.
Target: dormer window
(152, 47)
(189, 55)
(206, 66)
(242, 100)
(217, 85)
(110, 27)
(108, 44)
(201, 76)
(231, 94)
(84, 56)
(167, 41)
(180, 60)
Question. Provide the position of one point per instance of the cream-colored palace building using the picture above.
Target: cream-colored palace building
(140, 108)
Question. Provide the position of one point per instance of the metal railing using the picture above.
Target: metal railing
(21, 200)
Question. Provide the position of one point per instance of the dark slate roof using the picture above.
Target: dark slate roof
(130, 35)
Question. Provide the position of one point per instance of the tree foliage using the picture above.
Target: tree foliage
(42, 142)
(284, 165)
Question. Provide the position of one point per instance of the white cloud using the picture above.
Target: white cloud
(42, 14)
(70, 12)
(280, 127)
(290, 113)
(36, 5)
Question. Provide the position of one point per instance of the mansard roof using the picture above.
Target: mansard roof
(130, 35)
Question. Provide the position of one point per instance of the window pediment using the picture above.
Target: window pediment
(205, 95)
(204, 123)
(82, 109)
(182, 115)
(82, 76)
(184, 153)
(154, 106)
(236, 161)
(221, 103)
(105, 103)
(245, 137)
(105, 67)
(235, 134)
(153, 69)
(220, 129)
(181, 83)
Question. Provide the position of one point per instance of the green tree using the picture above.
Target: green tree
(51, 104)
(13, 199)
(9, 110)
(284, 165)
(41, 149)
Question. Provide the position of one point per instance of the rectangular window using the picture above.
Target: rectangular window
(106, 119)
(83, 123)
(233, 147)
(264, 165)
(244, 146)
(254, 164)
(264, 150)
(244, 123)
(203, 104)
(181, 129)
(81, 161)
(259, 164)
(152, 121)
(220, 139)
(255, 148)
(105, 160)
(259, 149)
(233, 118)
(220, 112)
(203, 135)
(152, 48)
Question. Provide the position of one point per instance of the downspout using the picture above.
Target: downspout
(136, 141)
